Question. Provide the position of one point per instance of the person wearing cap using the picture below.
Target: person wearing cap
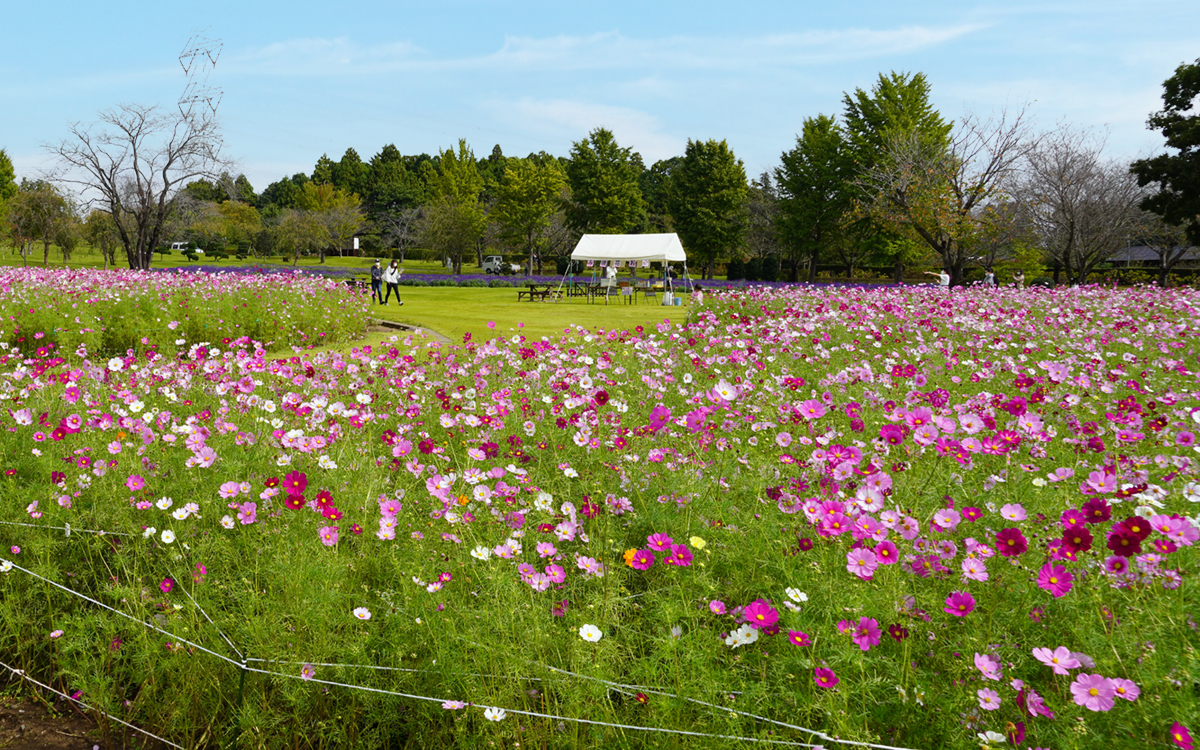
(377, 282)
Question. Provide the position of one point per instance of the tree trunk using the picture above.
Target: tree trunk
(898, 271)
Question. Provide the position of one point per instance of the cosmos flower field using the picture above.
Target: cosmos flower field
(897, 517)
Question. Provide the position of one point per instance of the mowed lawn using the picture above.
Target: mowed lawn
(486, 313)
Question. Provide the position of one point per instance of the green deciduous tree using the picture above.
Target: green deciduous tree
(707, 201)
(1177, 175)
(454, 221)
(526, 199)
(338, 213)
(40, 212)
(817, 192)
(603, 177)
(100, 231)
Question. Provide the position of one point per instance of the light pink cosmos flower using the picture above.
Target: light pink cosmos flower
(1060, 659)
(989, 700)
(989, 666)
(861, 562)
(1093, 692)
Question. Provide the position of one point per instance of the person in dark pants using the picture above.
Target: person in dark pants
(377, 282)
(391, 277)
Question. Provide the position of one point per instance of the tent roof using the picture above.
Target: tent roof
(629, 247)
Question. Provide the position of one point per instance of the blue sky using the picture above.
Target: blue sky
(301, 79)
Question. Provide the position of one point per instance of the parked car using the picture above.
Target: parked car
(495, 264)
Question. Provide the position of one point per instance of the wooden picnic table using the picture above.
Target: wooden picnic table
(541, 292)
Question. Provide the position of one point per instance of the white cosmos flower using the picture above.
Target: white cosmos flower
(167, 536)
(362, 613)
(227, 522)
(590, 633)
(494, 714)
(149, 532)
(164, 503)
(796, 595)
(5, 566)
(481, 553)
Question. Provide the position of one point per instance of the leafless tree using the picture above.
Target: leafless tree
(940, 193)
(399, 228)
(132, 162)
(1082, 207)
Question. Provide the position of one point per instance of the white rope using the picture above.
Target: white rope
(813, 732)
(21, 673)
(67, 529)
(210, 622)
(622, 687)
(538, 715)
(128, 616)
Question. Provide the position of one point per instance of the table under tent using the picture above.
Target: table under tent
(605, 255)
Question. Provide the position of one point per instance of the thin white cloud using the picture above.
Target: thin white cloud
(560, 120)
(600, 51)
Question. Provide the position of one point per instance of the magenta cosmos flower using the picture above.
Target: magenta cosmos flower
(866, 633)
(1093, 692)
(642, 559)
(959, 604)
(1011, 542)
(760, 614)
(824, 677)
(135, 482)
(798, 638)
(1055, 578)
(1182, 737)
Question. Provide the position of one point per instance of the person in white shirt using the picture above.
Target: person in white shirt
(391, 277)
(943, 277)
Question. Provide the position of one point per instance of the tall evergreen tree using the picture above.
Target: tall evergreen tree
(707, 201)
(603, 177)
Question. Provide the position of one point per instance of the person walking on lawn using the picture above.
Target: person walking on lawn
(377, 282)
(391, 277)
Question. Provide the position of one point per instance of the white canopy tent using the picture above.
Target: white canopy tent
(631, 249)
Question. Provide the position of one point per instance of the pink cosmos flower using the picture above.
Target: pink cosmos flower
(824, 678)
(329, 535)
(166, 585)
(959, 604)
(1093, 692)
(717, 607)
(1123, 688)
(989, 666)
(1055, 578)
(659, 542)
(1060, 659)
(866, 633)
(989, 700)
(861, 562)
(135, 482)
(886, 553)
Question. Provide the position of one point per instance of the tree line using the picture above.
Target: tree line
(887, 182)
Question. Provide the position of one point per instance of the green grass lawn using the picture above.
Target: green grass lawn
(455, 311)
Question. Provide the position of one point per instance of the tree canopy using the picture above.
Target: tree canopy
(707, 201)
(603, 177)
(1177, 175)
